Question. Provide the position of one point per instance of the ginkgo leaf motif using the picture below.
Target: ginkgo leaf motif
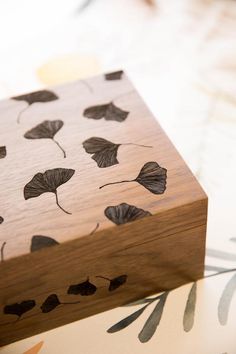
(116, 75)
(1, 219)
(225, 300)
(189, 312)
(116, 282)
(151, 176)
(104, 151)
(19, 309)
(48, 181)
(153, 320)
(85, 288)
(50, 303)
(108, 111)
(38, 242)
(42, 96)
(46, 130)
(3, 152)
(123, 213)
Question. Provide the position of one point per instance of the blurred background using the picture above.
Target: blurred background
(181, 56)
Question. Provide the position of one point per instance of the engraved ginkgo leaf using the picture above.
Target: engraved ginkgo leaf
(116, 282)
(46, 130)
(104, 151)
(116, 75)
(1, 219)
(107, 111)
(85, 288)
(38, 242)
(50, 303)
(123, 213)
(3, 152)
(48, 182)
(151, 176)
(42, 96)
(19, 309)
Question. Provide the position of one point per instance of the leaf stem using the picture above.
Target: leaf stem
(95, 229)
(2, 251)
(108, 184)
(65, 211)
(19, 114)
(145, 146)
(60, 147)
(87, 85)
(100, 276)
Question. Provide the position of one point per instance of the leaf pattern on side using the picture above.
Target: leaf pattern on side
(46, 130)
(84, 289)
(116, 75)
(153, 320)
(48, 181)
(50, 303)
(107, 111)
(3, 152)
(127, 321)
(38, 242)
(124, 213)
(189, 312)
(116, 282)
(104, 151)
(42, 96)
(19, 309)
(151, 176)
(225, 300)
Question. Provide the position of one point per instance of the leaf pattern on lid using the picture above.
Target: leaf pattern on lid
(123, 213)
(50, 303)
(48, 181)
(46, 130)
(84, 289)
(38, 242)
(116, 282)
(19, 309)
(152, 176)
(116, 75)
(42, 96)
(104, 151)
(107, 111)
(3, 152)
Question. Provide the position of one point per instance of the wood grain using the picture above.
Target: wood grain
(156, 252)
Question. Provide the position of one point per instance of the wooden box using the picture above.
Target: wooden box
(97, 207)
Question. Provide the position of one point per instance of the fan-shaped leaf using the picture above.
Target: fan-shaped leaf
(38, 242)
(153, 177)
(50, 303)
(107, 111)
(46, 130)
(1, 219)
(37, 96)
(123, 213)
(85, 289)
(153, 320)
(48, 181)
(127, 321)
(225, 300)
(117, 282)
(3, 152)
(19, 309)
(104, 152)
(116, 75)
(188, 319)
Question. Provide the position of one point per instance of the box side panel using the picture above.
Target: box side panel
(79, 278)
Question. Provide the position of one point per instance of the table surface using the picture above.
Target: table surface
(181, 57)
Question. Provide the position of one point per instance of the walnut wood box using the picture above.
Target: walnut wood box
(73, 241)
